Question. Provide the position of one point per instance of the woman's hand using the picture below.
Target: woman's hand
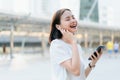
(72, 64)
(67, 36)
(95, 58)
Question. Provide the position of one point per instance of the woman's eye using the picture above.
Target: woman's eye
(67, 19)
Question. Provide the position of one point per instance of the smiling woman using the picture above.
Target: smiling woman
(65, 53)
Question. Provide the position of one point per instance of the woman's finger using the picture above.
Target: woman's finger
(61, 30)
(92, 57)
(95, 57)
(97, 53)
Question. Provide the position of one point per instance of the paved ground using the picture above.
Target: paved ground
(107, 68)
(36, 67)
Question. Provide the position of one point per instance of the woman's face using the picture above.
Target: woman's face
(68, 22)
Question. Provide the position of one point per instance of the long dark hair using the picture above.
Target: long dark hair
(54, 32)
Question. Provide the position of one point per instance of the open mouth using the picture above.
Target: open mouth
(73, 26)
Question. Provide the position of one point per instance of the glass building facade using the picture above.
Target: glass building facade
(85, 6)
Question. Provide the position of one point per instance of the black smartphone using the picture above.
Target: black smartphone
(99, 50)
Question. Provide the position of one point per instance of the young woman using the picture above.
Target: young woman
(65, 53)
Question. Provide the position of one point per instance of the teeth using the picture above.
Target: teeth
(72, 26)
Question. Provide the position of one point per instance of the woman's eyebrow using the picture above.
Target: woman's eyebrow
(69, 16)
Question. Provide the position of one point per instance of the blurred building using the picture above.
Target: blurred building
(109, 13)
(26, 22)
(85, 9)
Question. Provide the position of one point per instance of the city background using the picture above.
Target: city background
(24, 31)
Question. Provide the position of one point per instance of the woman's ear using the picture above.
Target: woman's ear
(58, 26)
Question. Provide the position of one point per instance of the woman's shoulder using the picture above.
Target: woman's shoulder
(57, 42)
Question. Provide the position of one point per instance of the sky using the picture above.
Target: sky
(23, 7)
(14, 6)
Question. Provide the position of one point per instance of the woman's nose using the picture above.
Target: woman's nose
(73, 21)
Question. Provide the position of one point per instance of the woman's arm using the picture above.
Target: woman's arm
(73, 64)
(88, 69)
(92, 63)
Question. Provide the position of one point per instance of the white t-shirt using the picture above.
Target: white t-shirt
(60, 52)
